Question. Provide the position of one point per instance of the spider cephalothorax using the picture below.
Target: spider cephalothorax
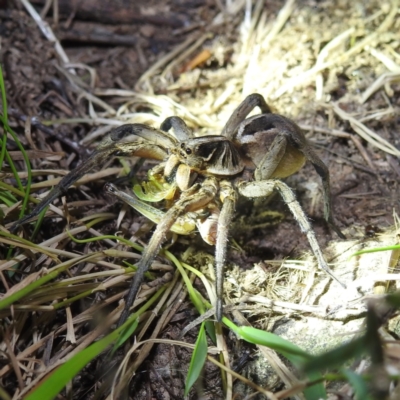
(205, 176)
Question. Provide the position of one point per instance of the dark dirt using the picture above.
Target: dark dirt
(364, 198)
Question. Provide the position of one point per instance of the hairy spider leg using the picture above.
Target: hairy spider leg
(323, 172)
(148, 143)
(195, 198)
(181, 130)
(265, 188)
(183, 225)
(229, 198)
(242, 111)
(295, 142)
(238, 127)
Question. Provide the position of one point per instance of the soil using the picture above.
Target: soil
(112, 51)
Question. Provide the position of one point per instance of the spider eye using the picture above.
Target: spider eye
(182, 145)
(188, 150)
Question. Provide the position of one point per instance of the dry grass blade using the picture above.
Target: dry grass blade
(282, 17)
(125, 373)
(144, 79)
(35, 154)
(185, 53)
(366, 133)
(384, 80)
(105, 173)
(305, 77)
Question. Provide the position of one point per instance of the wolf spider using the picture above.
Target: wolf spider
(205, 175)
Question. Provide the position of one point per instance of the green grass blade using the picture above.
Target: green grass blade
(3, 142)
(194, 295)
(316, 391)
(14, 240)
(268, 339)
(125, 335)
(52, 384)
(53, 273)
(393, 299)
(49, 388)
(369, 343)
(198, 359)
(4, 118)
(38, 224)
(4, 395)
(376, 250)
(4, 153)
(7, 198)
(3, 97)
(134, 246)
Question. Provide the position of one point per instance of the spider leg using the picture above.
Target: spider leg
(298, 141)
(264, 188)
(256, 132)
(156, 136)
(108, 148)
(323, 172)
(182, 225)
(229, 197)
(181, 130)
(242, 111)
(194, 199)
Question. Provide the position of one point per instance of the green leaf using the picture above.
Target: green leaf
(283, 346)
(292, 352)
(198, 359)
(125, 335)
(336, 357)
(358, 384)
(210, 328)
(7, 198)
